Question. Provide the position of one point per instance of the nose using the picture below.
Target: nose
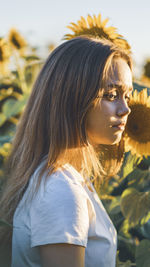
(123, 109)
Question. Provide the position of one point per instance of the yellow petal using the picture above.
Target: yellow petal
(99, 22)
(104, 22)
(84, 22)
(90, 21)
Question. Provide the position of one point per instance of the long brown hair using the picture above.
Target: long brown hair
(54, 121)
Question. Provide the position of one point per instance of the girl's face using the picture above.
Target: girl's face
(106, 120)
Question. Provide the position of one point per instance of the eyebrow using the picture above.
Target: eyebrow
(120, 86)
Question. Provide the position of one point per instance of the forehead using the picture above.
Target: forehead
(119, 86)
(119, 75)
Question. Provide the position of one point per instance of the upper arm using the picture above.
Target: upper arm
(61, 216)
(62, 255)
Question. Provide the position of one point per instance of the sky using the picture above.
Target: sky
(44, 21)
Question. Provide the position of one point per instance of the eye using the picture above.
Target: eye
(111, 96)
(128, 97)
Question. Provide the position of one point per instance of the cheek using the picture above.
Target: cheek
(100, 116)
(98, 124)
(108, 109)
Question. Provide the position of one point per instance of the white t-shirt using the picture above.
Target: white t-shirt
(64, 210)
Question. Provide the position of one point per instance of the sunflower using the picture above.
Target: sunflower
(4, 56)
(16, 40)
(137, 133)
(95, 27)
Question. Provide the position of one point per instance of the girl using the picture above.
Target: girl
(79, 102)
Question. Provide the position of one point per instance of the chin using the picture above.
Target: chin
(109, 140)
(117, 140)
(114, 140)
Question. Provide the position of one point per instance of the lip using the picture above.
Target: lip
(120, 126)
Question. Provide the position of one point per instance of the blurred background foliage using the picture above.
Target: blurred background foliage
(126, 196)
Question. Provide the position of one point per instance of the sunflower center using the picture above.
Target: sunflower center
(15, 42)
(138, 125)
(94, 31)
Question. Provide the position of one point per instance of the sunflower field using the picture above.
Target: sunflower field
(126, 196)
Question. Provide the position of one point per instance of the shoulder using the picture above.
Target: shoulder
(67, 175)
(63, 185)
(66, 183)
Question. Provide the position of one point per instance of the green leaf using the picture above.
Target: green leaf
(7, 134)
(144, 164)
(124, 229)
(145, 219)
(12, 107)
(142, 254)
(145, 230)
(139, 179)
(8, 108)
(122, 264)
(126, 264)
(5, 139)
(135, 205)
(2, 119)
(130, 163)
(5, 149)
(114, 207)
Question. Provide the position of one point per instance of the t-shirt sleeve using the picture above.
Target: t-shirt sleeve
(61, 215)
